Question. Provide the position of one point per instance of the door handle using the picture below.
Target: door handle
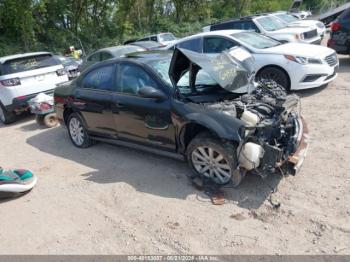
(120, 105)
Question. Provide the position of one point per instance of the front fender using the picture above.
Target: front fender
(223, 126)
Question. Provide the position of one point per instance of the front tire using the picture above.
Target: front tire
(6, 117)
(214, 159)
(77, 131)
(275, 74)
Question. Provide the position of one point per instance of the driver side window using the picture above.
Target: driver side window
(132, 78)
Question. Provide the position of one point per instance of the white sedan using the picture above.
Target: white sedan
(292, 65)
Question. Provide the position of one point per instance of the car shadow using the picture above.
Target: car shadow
(7, 197)
(344, 64)
(22, 118)
(311, 91)
(32, 127)
(148, 173)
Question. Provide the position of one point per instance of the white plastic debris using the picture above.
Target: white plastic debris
(42, 98)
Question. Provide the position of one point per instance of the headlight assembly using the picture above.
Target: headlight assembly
(303, 60)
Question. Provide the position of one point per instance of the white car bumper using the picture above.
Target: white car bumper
(313, 75)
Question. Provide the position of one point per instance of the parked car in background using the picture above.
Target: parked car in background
(295, 10)
(269, 26)
(328, 17)
(109, 53)
(22, 77)
(290, 20)
(162, 38)
(340, 34)
(71, 65)
(302, 14)
(148, 45)
(292, 65)
(139, 102)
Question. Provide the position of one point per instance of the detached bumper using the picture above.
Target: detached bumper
(296, 160)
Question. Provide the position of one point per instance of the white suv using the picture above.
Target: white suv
(270, 26)
(291, 20)
(22, 77)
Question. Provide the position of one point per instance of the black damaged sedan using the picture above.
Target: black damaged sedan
(207, 111)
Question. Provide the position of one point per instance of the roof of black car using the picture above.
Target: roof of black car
(150, 55)
(243, 18)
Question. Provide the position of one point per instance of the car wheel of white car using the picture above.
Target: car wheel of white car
(276, 75)
(5, 116)
(77, 131)
(213, 159)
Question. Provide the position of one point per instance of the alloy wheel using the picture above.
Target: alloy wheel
(76, 131)
(211, 164)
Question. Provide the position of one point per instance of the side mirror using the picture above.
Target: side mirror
(151, 92)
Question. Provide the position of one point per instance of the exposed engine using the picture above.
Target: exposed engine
(271, 127)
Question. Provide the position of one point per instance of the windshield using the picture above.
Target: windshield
(202, 80)
(162, 69)
(167, 37)
(29, 63)
(256, 40)
(270, 23)
(287, 18)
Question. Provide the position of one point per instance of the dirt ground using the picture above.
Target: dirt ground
(114, 200)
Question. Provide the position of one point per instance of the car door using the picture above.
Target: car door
(142, 120)
(94, 100)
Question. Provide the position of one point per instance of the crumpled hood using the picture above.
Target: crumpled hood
(300, 49)
(229, 72)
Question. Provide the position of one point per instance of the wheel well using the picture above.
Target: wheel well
(191, 130)
(277, 67)
(66, 113)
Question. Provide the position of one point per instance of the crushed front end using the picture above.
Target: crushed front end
(275, 136)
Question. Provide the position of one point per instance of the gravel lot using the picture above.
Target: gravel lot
(114, 200)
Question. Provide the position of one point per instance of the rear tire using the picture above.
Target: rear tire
(275, 74)
(77, 131)
(6, 117)
(214, 159)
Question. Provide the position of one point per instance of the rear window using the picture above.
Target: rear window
(225, 26)
(194, 45)
(28, 63)
(167, 37)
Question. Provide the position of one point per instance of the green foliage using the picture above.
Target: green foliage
(54, 25)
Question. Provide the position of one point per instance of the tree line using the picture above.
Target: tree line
(54, 25)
